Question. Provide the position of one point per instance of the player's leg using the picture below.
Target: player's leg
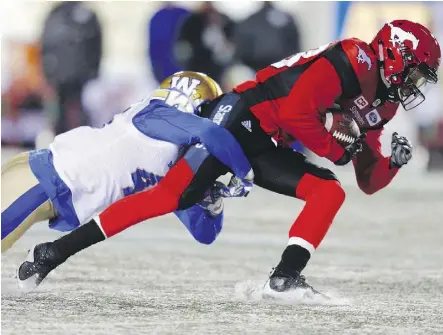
(185, 184)
(288, 172)
(162, 199)
(24, 202)
(182, 187)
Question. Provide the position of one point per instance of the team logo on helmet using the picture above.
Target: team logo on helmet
(399, 36)
(185, 84)
(363, 57)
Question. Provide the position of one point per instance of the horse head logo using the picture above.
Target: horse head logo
(363, 57)
(399, 36)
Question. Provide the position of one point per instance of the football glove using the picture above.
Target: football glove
(401, 150)
(351, 151)
(212, 201)
(236, 188)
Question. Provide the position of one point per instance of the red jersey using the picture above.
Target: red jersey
(288, 97)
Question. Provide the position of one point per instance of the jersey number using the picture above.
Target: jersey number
(291, 60)
(142, 179)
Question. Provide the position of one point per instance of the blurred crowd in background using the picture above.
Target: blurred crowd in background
(55, 81)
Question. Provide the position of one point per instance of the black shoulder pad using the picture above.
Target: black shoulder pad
(340, 61)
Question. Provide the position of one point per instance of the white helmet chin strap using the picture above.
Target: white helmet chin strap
(382, 62)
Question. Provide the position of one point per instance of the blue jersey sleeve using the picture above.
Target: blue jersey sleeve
(203, 227)
(163, 122)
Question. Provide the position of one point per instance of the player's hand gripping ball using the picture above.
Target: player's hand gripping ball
(345, 131)
(341, 126)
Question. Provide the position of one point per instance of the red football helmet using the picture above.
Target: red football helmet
(409, 57)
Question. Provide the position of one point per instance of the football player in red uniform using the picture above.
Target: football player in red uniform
(285, 103)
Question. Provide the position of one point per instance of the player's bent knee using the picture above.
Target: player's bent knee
(311, 185)
(335, 191)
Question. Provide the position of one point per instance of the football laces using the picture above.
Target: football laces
(343, 137)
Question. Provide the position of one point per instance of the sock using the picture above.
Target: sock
(294, 258)
(323, 200)
(77, 240)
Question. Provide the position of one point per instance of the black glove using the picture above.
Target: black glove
(401, 150)
(351, 151)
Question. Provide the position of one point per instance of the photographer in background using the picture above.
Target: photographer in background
(269, 24)
(71, 54)
(205, 41)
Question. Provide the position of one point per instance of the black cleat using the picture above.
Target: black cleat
(286, 281)
(41, 260)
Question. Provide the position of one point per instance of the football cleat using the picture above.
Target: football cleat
(283, 282)
(41, 260)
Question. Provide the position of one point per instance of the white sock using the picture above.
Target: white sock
(302, 243)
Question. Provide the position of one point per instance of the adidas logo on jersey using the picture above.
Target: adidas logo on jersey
(247, 125)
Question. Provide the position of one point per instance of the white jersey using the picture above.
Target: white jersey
(102, 165)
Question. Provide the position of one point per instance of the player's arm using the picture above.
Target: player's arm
(316, 90)
(166, 194)
(373, 170)
(205, 220)
(162, 122)
(203, 227)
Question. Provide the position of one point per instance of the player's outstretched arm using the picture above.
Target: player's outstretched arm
(162, 122)
(372, 169)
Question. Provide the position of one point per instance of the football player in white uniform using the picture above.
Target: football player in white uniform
(87, 169)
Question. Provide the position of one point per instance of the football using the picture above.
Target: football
(341, 126)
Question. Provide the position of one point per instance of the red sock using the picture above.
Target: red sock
(323, 200)
(159, 200)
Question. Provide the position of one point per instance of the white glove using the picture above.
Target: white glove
(212, 201)
(401, 150)
(238, 187)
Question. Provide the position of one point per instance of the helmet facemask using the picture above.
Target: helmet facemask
(415, 83)
(408, 87)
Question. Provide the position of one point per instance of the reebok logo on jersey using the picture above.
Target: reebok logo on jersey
(363, 57)
(247, 125)
(373, 117)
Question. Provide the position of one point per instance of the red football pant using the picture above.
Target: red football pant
(159, 200)
(323, 200)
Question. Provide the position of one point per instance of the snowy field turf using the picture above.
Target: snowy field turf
(381, 261)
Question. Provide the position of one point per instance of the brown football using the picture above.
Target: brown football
(341, 126)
